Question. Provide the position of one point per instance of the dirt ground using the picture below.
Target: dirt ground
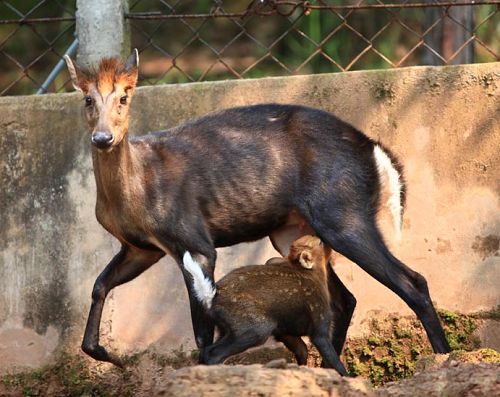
(393, 359)
(460, 373)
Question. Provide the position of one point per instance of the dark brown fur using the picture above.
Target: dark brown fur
(286, 299)
(229, 177)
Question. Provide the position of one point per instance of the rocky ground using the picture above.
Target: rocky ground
(392, 360)
(450, 377)
(460, 373)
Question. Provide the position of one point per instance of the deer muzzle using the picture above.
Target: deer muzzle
(102, 139)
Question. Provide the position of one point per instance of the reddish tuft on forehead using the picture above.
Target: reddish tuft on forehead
(109, 73)
(106, 75)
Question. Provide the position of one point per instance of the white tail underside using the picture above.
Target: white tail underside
(385, 166)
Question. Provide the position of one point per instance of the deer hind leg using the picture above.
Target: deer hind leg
(342, 303)
(125, 266)
(328, 353)
(296, 345)
(353, 233)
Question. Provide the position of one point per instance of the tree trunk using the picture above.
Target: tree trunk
(454, 29)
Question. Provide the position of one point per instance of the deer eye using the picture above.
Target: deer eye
(123, 100)
(88, 101)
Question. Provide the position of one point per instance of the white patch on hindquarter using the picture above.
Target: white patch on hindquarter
(203, 287)
(384, 165)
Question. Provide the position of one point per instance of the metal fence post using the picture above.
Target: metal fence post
(102, 30)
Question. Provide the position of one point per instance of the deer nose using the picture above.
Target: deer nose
(102, 139)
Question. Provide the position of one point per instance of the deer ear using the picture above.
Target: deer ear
(132, 63)
(73, 73)
(306, 259)
(131, 69)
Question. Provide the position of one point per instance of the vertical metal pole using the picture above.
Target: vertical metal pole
(102, 30)
(55, 72)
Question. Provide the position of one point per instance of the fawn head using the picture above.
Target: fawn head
(309, 251)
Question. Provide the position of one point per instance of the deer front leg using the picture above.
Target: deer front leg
(125, 266)
(203, 325)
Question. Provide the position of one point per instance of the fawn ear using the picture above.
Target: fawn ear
(306, 259)
(73, 73)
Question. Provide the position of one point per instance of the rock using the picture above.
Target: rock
(463, 379)
(258, 380)
(452, 359)
(279, 363)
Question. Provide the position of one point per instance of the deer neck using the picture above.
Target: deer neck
(116, 172)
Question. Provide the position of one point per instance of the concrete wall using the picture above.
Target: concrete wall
(442, 122)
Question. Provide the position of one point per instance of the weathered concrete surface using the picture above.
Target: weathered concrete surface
(442, 122)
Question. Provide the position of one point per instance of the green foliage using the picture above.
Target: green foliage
(76, 375)
(72, 376)
(35, 45)
(481, 355)
(395, 344)
(459, 330)
(361, 39)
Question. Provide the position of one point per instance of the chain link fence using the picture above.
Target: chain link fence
(220, 39)
(185, 41)
(33, 37)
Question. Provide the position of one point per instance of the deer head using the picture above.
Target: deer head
(107, 92)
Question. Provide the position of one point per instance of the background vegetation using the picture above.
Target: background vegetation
(183, 50)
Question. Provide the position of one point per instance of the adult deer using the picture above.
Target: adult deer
(233, 176)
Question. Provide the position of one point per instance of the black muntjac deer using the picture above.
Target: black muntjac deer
(234, 176)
